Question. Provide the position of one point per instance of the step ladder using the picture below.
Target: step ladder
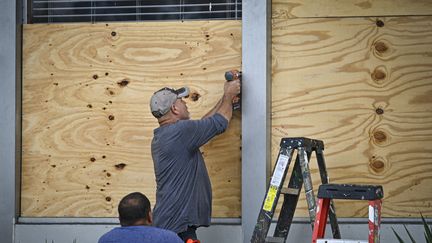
(300, 175)
(328, 192)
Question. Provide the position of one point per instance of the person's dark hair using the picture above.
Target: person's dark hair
(133, 207)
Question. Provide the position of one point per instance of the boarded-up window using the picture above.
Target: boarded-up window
(55, 11)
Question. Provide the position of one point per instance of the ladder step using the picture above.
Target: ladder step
(339, 241)
(290, 191)
(275, 240)
(353, 192)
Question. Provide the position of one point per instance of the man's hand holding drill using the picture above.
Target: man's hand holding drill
(234, 76)
(232, 89)
(230, 99)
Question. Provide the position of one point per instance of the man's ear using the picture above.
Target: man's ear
(150, 217)
(174, 109)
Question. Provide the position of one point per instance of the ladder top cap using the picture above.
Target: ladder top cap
(349, 191)
(296, 142)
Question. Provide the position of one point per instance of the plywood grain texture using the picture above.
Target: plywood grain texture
(284, 9)
(364, 87)
(86, 122)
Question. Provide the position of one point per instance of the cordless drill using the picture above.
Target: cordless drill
(231, 76)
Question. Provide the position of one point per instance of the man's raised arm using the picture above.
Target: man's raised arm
(224, 105)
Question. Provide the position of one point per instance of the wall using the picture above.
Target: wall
(91, 233)
(87, 128)
(300, 232)
(358, 76)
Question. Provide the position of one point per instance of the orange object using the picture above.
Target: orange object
(192, 241)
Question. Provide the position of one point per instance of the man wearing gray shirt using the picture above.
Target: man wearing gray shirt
(184, 194)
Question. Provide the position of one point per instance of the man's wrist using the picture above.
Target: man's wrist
(228, 96)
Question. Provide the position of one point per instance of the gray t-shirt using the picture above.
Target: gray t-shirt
(183, 194)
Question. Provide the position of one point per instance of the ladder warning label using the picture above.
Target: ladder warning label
(270, 198)
(279, 170)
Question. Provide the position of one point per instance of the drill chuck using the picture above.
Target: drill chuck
(232, 75)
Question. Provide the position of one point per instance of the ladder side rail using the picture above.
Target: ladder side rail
(322, 166)
(290, 202)
(307, 181)
(325, 180)
(321, 219)
(374, 220)
(272, 195)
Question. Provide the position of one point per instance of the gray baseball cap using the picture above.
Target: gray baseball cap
(162, 100)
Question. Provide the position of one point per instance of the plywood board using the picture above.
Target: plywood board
(284, 9)
(87, 127)
(366, 91)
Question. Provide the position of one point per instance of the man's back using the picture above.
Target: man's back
(139, 234)
(183, 195)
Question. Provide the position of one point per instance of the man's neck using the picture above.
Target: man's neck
(167, 120)
(141, 222)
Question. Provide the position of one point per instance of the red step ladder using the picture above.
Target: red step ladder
(327, 192)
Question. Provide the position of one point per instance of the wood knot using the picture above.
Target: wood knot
(113, 33)
(123, 83)
(379, 137)
(108, 199)
(120, 166)
(89, 106)
(110, 92)
(195, 96)
(379, 23)
(379, 111)
(377, 165)
(95, 76)
(92, 159)
(378, 75)
(111, 117)
(381, 47)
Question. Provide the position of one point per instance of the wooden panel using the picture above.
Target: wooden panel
(366, 91)
(87, 127)
(284, 9)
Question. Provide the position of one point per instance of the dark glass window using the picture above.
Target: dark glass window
(58, 11)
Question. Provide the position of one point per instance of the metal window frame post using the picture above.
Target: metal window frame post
(256, 67)
(10, 109)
